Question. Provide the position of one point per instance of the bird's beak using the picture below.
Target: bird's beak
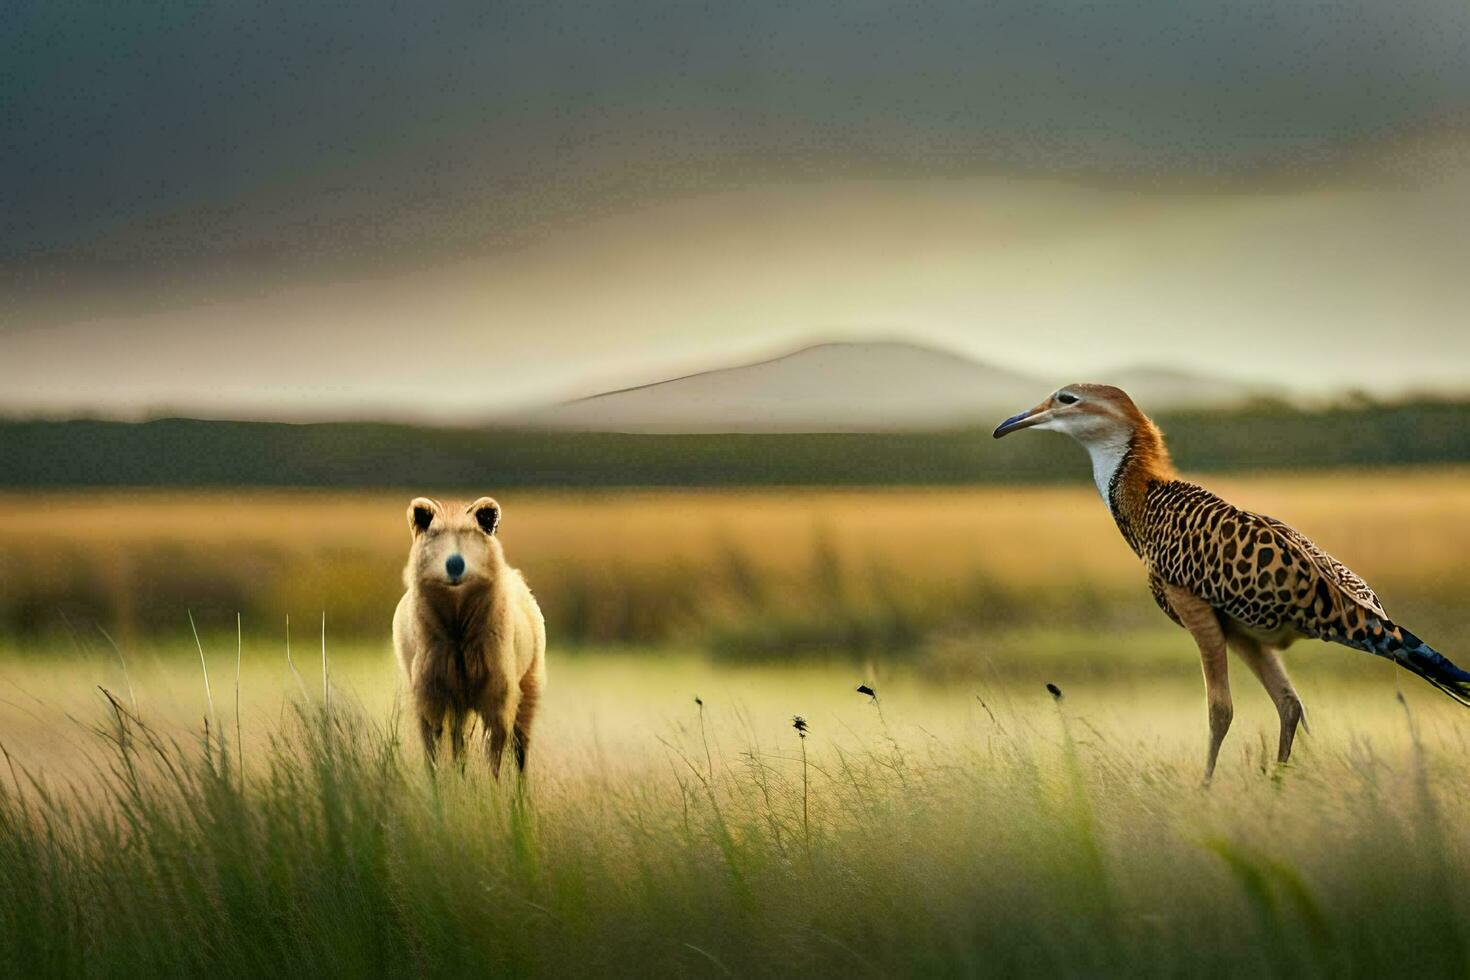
(1025, 420)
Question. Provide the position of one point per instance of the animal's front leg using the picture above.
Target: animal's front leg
(495, 744)
(498, 711)
(1200, 619)
(456, 738)
(525, 715)
(429, 732)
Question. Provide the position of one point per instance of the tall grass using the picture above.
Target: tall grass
(1037, 843)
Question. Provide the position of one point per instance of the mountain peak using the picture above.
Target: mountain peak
(827, 386)
(851, 386)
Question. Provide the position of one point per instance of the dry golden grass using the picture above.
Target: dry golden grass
(1394, 522)
(650, 565)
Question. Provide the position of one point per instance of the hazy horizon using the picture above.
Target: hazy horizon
(286, 212)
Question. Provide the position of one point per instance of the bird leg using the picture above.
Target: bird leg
(1203, 624)
(1266, 664)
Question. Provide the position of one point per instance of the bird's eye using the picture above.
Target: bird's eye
(1067, 398)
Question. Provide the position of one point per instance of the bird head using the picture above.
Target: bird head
(1091, 414)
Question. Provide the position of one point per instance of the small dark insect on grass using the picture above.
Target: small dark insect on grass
(799, 723)
(709, 760)
(878, 705)
(1054, 691)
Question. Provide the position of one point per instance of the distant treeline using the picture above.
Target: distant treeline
(193, 453)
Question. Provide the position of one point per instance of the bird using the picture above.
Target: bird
(1231, 577)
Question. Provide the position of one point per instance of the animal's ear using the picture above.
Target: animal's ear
(421, 513)
(487, 514)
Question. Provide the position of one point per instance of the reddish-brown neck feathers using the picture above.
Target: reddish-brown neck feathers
(1148, 458)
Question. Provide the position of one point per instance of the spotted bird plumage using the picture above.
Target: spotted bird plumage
(1267, 577)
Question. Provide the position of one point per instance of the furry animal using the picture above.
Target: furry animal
(1227, 575)
(468, 632)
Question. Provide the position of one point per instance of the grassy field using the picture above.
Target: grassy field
(976, 828)
(965, 823)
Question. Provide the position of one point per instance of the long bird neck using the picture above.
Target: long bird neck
(1125, 468)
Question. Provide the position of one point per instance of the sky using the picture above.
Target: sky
(292, 210)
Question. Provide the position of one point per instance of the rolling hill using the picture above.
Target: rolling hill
(854, 386)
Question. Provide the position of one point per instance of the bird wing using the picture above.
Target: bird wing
(1255, 569)
(1335, 573)
(1363, 625)
(1275, 576)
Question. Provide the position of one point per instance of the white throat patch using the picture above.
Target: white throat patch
(1107, 455)
(1106, 444)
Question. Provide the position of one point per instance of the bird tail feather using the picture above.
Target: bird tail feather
(1418, 657)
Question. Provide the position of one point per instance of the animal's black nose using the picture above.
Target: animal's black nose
(454, 565)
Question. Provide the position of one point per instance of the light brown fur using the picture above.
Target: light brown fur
(468, 643)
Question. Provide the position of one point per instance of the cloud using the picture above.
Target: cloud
(1317, 289)
(164, 144)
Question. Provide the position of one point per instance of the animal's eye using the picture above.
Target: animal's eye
(1067, 398)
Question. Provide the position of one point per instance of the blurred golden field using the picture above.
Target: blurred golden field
(778, 573)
